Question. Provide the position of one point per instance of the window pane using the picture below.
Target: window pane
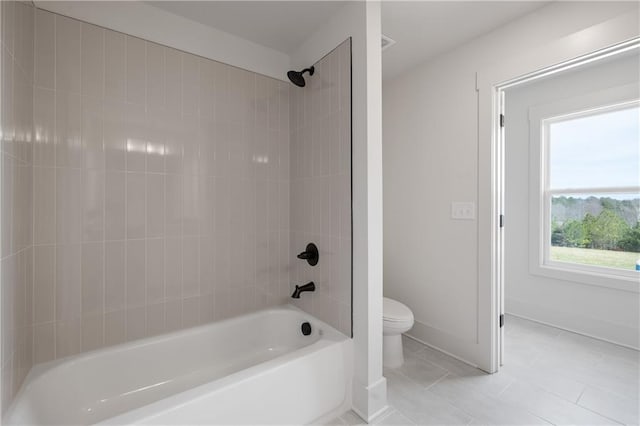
(596, 151)
(596, 229)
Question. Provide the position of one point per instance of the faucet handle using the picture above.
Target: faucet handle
(310, 254)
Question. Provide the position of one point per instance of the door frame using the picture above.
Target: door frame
(605, 39)
(500, 160)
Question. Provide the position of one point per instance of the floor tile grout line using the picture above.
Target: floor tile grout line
(438, 381)
(424, 350)
(390, 410)
(577, 401)
(616, 393)
(600, 354)
(546, 391)
(507, 387)
(448, 401)
(606, 416)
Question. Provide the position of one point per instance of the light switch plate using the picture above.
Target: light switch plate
(464, 210)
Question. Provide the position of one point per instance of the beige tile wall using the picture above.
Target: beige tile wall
(146, 190)
(161, 189)
(16, 252)
(321, 187)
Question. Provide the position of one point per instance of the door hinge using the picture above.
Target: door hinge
(501, 320)
(501, 120)
(501, 221)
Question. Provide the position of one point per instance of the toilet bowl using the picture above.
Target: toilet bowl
(397, 318)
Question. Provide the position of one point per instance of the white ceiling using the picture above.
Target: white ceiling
(421, 29)
(280, 25)
(424, 29)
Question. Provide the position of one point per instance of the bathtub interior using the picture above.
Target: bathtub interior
(99, 385)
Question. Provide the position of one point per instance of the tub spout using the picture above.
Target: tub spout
(299, 289)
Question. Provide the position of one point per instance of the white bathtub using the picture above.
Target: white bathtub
(254, 369)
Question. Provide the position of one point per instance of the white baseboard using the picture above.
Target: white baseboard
(370, 401)
(580, 324)
(444, 342)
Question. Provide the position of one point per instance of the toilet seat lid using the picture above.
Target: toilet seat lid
(392, 310)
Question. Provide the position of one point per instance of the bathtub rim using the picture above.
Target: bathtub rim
(39, 369)
(201, 392)
(329, 336)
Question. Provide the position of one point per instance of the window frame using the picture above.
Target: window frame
(540, 118)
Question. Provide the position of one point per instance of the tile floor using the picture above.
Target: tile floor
(550, 376)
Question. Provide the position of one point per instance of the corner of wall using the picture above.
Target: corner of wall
(361, 22)
(16, 208)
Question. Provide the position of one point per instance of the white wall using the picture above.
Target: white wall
(432, 154)
(361, 21)
(606, 313)
(153, 24)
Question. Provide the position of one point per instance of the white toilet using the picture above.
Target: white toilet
(397, 318)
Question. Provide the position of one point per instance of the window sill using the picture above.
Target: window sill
(617, 280)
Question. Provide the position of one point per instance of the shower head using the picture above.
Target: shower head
(297, 77)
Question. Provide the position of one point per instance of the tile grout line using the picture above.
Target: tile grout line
(103, 90)
(33, 193)
(599, 414)
(437, 381)
(577, 401)
(126, 203)
(55, 179)
(573, 403)
(146, 195)
(181, 215)
(83, 176)
(164, 196)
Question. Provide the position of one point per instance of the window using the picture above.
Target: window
(592, 188)
(588, 194)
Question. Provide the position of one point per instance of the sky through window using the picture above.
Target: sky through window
(596, 151)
